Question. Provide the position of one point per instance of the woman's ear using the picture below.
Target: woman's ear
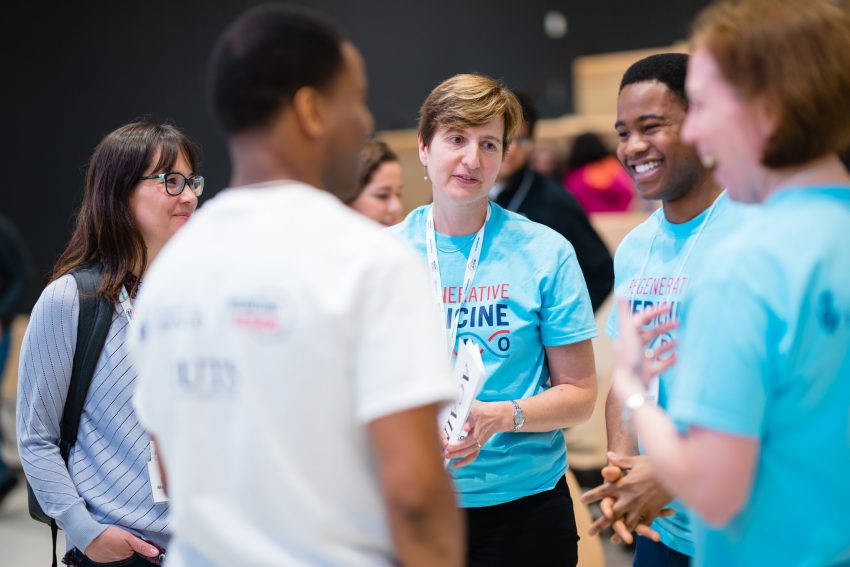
(423, 152)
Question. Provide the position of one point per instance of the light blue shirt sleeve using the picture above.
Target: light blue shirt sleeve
(722, 379)
(613, 323)
(566, 314)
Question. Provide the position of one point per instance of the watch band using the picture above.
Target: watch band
(519, 417)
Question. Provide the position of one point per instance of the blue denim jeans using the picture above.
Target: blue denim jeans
(651, 554)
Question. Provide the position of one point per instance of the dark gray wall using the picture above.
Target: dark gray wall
(73, 71)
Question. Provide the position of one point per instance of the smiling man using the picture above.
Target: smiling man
(655, 264)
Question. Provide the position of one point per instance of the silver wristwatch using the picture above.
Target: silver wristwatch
(519, 417)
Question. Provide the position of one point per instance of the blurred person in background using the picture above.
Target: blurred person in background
(142, 185)
(547, 159)
(14, 276)
(515, 288)
(758, 416)
(379, 183)
(596, 178)
(541, 199)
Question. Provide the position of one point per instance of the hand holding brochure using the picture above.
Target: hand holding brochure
(469, 373)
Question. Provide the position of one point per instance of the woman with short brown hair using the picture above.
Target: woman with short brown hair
(513, 287)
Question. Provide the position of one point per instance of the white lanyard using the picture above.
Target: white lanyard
(126, 305)
(687, 253)
(468, 276)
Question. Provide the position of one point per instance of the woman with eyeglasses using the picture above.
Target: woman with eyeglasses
(141, 187)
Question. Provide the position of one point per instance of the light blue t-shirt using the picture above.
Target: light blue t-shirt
(768, 358)
(528, 293)
(650, 269)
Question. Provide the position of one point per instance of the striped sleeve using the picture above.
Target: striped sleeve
(46, 359)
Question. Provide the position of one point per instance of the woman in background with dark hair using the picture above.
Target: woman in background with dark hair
(596, 178)
(379, 182)
(141, 187)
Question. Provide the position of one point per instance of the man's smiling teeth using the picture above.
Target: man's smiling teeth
(649, 166)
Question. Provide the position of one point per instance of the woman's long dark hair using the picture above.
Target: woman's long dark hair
(105, 232)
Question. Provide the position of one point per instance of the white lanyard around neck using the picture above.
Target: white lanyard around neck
(468, 276)
(687, 253)
(126, 305)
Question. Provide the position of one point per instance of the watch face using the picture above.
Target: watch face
(519, 417)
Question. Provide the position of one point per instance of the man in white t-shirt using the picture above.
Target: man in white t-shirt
(289, 379)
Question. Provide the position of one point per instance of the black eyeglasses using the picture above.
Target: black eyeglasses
(175, 182)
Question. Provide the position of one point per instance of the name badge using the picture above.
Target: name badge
(157, 488)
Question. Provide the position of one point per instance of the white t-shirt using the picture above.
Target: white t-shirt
(270, 331)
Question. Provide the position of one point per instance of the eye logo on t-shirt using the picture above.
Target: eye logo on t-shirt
(496, 344)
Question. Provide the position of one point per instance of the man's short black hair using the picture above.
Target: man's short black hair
(667, 68)
(529, 111)
(263, 58)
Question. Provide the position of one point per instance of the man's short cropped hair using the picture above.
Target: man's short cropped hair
(667, 68)
(264, 57)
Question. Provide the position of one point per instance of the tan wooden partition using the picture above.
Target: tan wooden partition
(596, 78)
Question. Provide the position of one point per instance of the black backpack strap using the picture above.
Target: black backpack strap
(95, 320)
(96, 313)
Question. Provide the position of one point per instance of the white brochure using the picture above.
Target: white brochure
(469, 373)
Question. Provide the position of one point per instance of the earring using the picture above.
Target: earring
(425, 177)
